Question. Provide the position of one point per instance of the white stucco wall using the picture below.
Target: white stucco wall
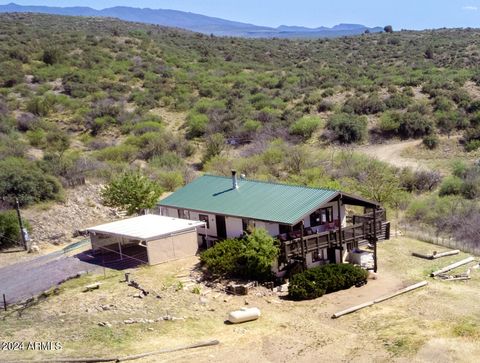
(234, 227)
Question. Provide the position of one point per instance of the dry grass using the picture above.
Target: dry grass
(437, 323)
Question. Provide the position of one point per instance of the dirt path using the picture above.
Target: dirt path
(392, 153)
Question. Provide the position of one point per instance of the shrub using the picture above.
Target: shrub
(306, 126)
(390, 122)
(168, 161)
(10, 229)
(398, 101)
(147, 126)
(472, 145)
(414, 124)
(171, 180)
(348, 128)
(215, 144)
(197, 124)
(364, 106)
(51, 56)
(431, 141)
(117, 153)
(26, 181)
(250, 257)
(451, 185)
(317, 281)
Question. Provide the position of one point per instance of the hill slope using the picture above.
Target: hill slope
(196, 22)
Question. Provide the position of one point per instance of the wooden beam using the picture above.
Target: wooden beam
(434, 256)
(452, 266)
(379, 300)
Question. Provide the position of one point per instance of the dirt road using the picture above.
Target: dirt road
(391, 153)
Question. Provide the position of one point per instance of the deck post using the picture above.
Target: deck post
(340, 227)
(304, 260)
(375, 239)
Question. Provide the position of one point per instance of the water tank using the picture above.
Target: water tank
(243, 315)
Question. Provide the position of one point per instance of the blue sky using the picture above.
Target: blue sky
(408, 14)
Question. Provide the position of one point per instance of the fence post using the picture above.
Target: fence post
(4, 302)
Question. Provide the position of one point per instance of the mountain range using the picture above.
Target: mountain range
(196, 22)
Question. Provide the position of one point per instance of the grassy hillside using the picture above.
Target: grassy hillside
(88, 98)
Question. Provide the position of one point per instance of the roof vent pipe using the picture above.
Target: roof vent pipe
(234, 179)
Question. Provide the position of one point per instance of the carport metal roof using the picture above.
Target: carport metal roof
(146, 228)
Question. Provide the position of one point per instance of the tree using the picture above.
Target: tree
(378, 183)
(388, 29)
(132, 192)
(25, 180)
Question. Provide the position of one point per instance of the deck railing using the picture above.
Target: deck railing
(353, 236)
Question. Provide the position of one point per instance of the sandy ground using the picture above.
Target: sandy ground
(392, 153)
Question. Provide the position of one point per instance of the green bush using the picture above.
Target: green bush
(451, 185)
(306, 126)
(348, 128)
(117, 153)
(414, 124)
(250, 257)
(25, 180)
(10, 229)
(431, 141)
(472, 145)
(197, 124)
(317, 281)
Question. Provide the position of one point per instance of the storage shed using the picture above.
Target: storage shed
(162, 238)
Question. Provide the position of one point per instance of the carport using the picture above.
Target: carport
(162, 238)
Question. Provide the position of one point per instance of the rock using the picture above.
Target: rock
(129, 321)
(105, 324)
(246, 302)
(203, 300)
(34, 248)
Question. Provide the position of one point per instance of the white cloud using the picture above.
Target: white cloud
(470, 8)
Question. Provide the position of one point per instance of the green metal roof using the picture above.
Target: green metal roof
(281, 203)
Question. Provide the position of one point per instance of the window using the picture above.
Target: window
(204, 218)
(321, 216)
(183, 214)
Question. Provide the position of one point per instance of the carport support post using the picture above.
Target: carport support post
(120, 248)
(4, 302)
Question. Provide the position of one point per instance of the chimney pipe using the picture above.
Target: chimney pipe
(234, 179)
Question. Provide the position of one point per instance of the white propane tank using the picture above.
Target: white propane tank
(243, 315)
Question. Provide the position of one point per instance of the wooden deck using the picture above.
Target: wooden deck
(359, 234)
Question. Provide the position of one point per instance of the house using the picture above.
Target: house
(151, 239)
(311, 223)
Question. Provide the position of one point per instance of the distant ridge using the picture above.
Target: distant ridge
(196, 22)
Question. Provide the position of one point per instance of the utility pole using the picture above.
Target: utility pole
(20, 223)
